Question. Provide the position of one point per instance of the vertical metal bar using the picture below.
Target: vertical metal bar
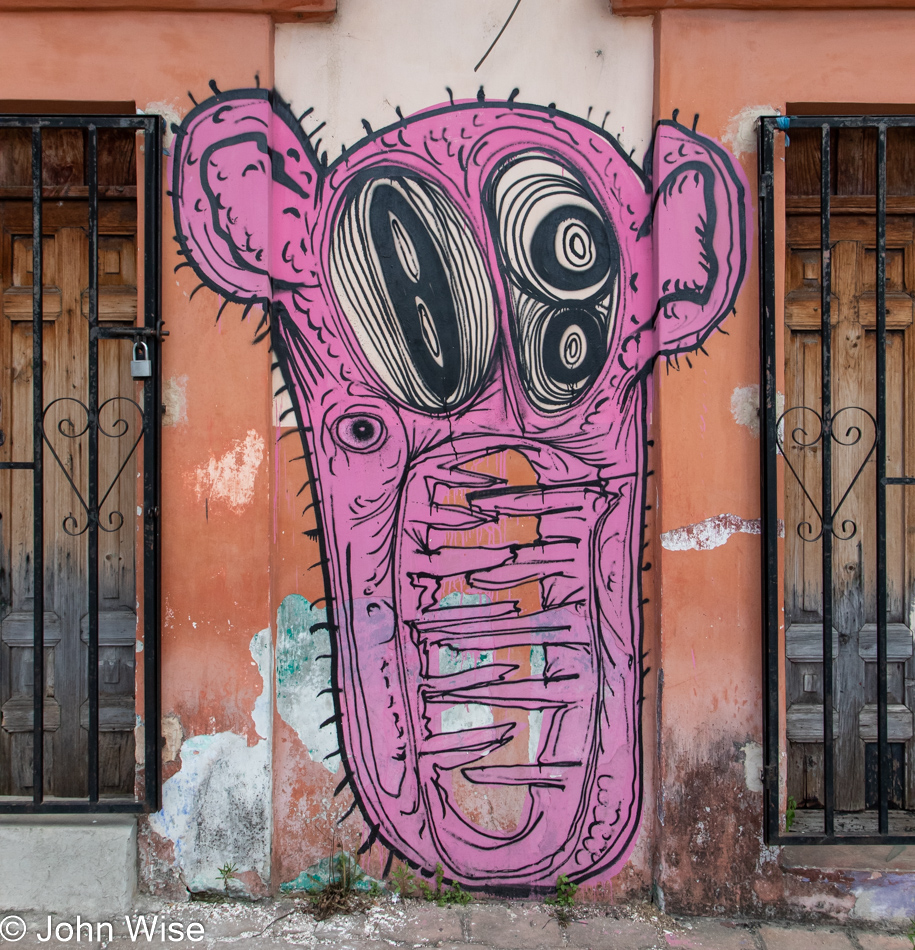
(92, 497)
(37, 478)
(152, 263)
(826, 409)
(769, 478)
(883, 756)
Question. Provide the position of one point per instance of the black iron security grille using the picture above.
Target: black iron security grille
(68, 459)
(836, 471)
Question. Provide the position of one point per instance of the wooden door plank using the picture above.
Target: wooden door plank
(900, 161)
(856, 162)
(810, 467)
(15, 157)
(906, 396)
(895, 461)
(802, 163)
(852, 432)
(66, 559)
(117, 162)
(6, 477)
(804, 230)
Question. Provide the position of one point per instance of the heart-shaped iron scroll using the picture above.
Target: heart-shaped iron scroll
(851, 436)
(118, 429)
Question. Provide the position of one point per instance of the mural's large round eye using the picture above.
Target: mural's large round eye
(418, 289)
(412, 283)
(558, 242)
(359, 432)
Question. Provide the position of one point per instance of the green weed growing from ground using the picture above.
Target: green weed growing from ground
(561, 906)
(406, 884)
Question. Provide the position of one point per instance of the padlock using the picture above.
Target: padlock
(140, 368)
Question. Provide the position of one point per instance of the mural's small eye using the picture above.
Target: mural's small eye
(359, 432)
(561, 352)
(573, 346)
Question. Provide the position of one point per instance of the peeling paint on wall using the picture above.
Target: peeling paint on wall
(885, 899)
(217, 808)
(172, 736)
(327, 870)
(535, 716)
(711, 533)
(303, 673)
(752, 765)
(745, 407)
(139, 742)
(171, 112)
(174, 399)
(740, 135)
(231, 478)
(450, 662)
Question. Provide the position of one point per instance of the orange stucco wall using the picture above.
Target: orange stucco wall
(710, 852)
(216, 550)
(234, 511)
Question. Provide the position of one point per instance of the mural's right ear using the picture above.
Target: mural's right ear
(244, 179)
(700, 228)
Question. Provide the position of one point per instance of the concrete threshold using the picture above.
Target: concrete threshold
(67, 864)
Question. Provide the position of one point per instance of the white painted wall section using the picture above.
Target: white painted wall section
(375, 56)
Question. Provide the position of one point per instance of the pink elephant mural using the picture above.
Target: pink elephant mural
(477, 291)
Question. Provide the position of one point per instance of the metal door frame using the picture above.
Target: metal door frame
(151, 334)
(772, 566)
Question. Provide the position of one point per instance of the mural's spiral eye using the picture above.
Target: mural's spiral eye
(558, 243)
(360, 432)
(562, 261)
(412, 283)
(570, 250)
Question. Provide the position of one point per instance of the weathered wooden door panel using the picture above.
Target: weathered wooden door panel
(853, 446)
(65, 424)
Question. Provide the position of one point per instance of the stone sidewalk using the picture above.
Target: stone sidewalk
(284, 925)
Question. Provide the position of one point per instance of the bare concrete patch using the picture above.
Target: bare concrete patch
(795, 938)
(605, 933)
(515, 925)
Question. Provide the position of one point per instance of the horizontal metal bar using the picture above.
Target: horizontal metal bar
(63, 806)
(139, 122)
(843, 121)
(5, 465)
(898, 481)
(127, 333)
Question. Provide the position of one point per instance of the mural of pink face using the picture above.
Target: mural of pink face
(465, 307)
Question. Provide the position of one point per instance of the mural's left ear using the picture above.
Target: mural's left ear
(244, 179)
(700, 226)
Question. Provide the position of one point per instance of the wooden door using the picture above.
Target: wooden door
(66, 367)
(854, 448)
